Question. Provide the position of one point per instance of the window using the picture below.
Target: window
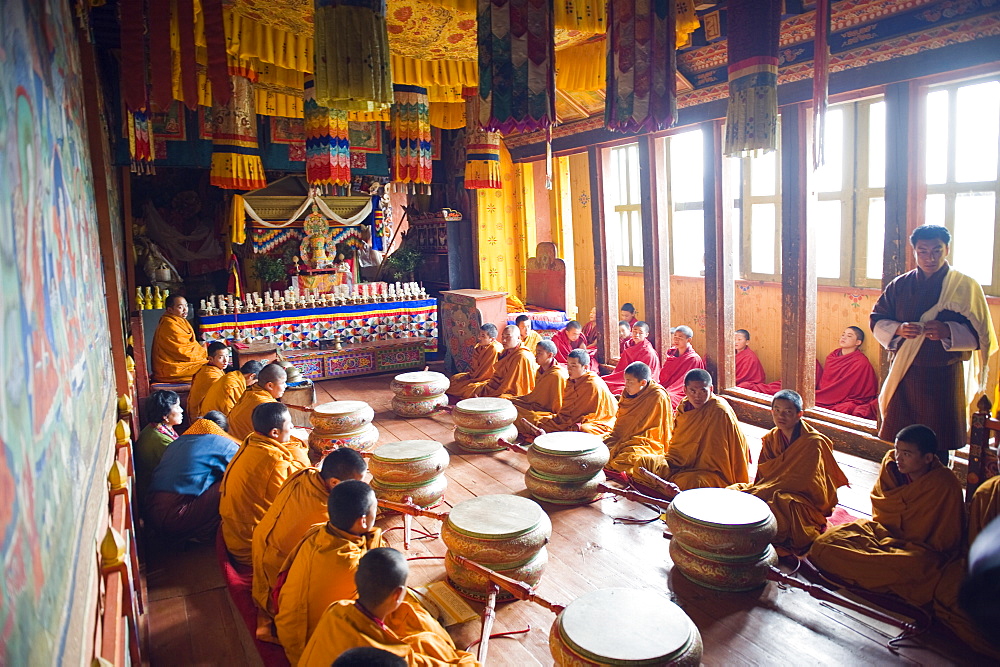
(626, 217)
(760, 216)
(684, 153)
(961, 172)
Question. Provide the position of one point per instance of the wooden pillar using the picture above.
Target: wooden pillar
(720, 302)
(605, 257)
(655, 241)
(798, 258)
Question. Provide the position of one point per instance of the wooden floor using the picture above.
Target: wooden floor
(191, 620)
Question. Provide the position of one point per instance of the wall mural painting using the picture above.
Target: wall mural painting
(55, 368)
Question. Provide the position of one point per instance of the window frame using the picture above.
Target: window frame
(663, 151)
(627, 215)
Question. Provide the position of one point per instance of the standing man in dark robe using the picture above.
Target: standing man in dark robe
(933, 319)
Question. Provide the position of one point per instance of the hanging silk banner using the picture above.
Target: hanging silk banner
(353, 70)
(752, 117)
(642, 66)
(235, 157)
(482, 160)
(516, 65)
(140, 142)
(328, 149)
(410, 128)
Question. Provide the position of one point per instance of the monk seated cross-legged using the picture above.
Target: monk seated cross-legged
(587, 404)
(915, 529)
(270, 386)
(571, 338)
(529, 337)
(384, 617)
(176, 354)
(206, 376)
(164, 411)
(640, 349)
(546, 399)
(644, 421)
(514, 372)
(749, 370)
(224, 394)
(266, 458)
(849, 384)
(591, 331)
(677, 361)
(707, 447)
(484, 358)
(797, 475)
(320, 569)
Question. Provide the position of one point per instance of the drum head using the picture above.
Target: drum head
(420, 376)
(407, 450)
(484, 405)
(340, 407)
(496, 517)
(567, 443)
(721, 507)
(625, 626)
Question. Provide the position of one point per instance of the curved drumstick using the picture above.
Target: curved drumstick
(635, 496)
(300, 408)
(512, 446)
(489, 615)
(518, 589)
(654, 481)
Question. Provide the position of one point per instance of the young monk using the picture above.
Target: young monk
(587, 404)
(590, 330)
(546, 399)
(707, 447)
(797, 475)
(627, 314)
(678, 360)
(484, 358)
(640, 350)
(299, 505)
(214, 369)
(320, 569)
(915, 529)
(644, 419)
(571, 338)
(514, 372)
(624, 337)
(224, 394)
(849, 384)
(270, 386)
(529, 337)
(176, 354)
(382, 617)
(749, 370)
(267, 458)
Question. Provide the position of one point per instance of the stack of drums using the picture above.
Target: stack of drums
(722, 538)
(565, 468)
(504, 533)
(649, 629)
(341, 424)
(410, 468)
(419, 393)
(480, 422)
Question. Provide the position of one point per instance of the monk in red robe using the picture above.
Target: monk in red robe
(748, 366)
(571, 338)
(624, 336)
(640, 350)
(627, 314)
(849, 384)
(678, 360)
(590, 329)
(772, 388)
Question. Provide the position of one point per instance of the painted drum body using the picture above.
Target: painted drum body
(649, 629)
(408, 461)
(426, 493)
(568, 454)
(419, 384)
(484, 414)
(484, 441)
(721, 521)
(361, 440)
(738, 573)
(418, 407)
(341, 416)
(476, 586)
(563, 490)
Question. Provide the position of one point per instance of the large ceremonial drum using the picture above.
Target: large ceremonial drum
(722, 538)
(304, 395)
(481, 422)
(419, 393)
(361, 440)
(565, 468)
(505, 533)
(410, 468)
(622, 626)
(341, 416)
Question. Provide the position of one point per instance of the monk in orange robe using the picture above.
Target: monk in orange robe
(797, 475)
(642, 427)
(529, 337)
(546, 399)
(320, 569)
(985, 507)
(748, 366)
(270, 386)
(640, 350)
(707, 447)
(571, 338)
(176, 354)
(299, 505)
(267, 458)
(484, 358)
(207, 375)
(587, 405)
(383, 617)
(224, 394)
(678, 360)
(915, 529)
(514, 372)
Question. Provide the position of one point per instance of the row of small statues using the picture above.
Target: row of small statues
(225, 304)
(151, 300)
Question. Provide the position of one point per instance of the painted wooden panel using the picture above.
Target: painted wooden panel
(583, 240)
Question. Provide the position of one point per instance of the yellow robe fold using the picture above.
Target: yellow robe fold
(409, 632)
(707, 448)
(514, 373)
(588, 406)
(484, 357)
(915, 529)
(202, 381)
(299, 505)
(642, 427)
(241, 416)
(252, 480)
(225, 394)
(320, 572)
(545, 399)
(531, 341)
(985, 507)
(799, 482)
(176, 354)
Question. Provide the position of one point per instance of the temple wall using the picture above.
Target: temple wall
(57, 396)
